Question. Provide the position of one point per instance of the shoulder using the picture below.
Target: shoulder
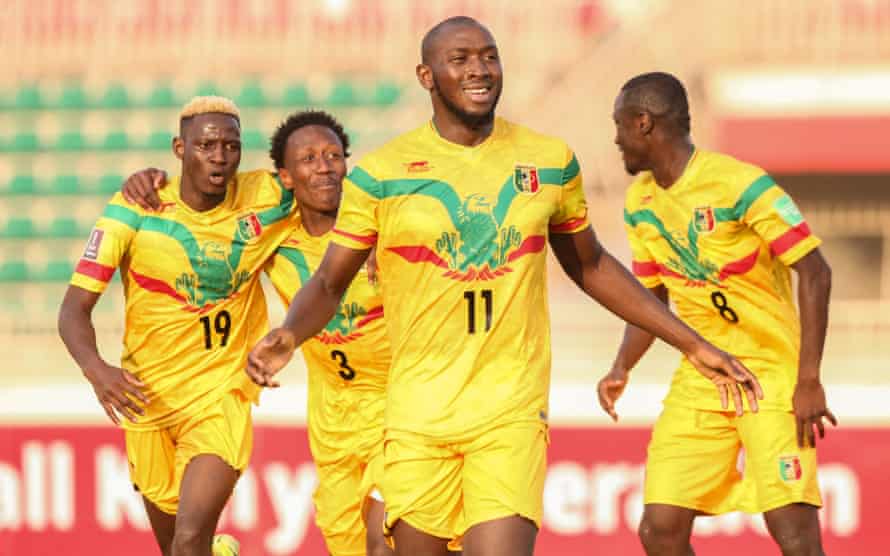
(734, 173)
(639, 193)
(526, 137)
(388, 160)
(120, 210)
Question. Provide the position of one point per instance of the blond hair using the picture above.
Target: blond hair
(208, 105)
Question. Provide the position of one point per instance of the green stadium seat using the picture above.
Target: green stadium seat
(65, 184)
(162, 96)
(22, 185)
(28, 98)
(25, 141)
(115, 97)
(253, 140)
(71, 141)
(64, 227)
(116, 141)
(296, 95)
(110, 184)
(73, 97)
(385, 94)
(13, 271)
(251, 95)
(18, 228)
(159, 141)
(207, 88)
(342, 94)
(57, 271)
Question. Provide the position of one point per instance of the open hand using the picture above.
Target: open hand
(610, 388)
(270, 355)
(809, 410)
(118, 392)
(728, 374)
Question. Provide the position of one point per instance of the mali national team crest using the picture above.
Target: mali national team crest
(789, 468)
(704, 220)
(525, 179)
(249, 227)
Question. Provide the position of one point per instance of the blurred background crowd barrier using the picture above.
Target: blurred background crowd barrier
(90, 91)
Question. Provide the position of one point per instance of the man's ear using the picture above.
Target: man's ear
(425, 76)
(286, 179)
(645, 122)
(178, 147)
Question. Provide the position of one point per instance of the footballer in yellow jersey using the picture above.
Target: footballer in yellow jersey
(717, 237)
(461, 211)
(194, 304)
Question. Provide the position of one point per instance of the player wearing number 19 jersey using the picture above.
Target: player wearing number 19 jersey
(718, 238)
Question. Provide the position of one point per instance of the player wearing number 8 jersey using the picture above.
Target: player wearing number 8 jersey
(718, 236)
(194, 303)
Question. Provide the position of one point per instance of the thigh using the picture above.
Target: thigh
(206, 486)
(163, 525)
(152, 458)
(338, 506)
(795, 522)
(375, 542)
(422, 487)
(692, 461)
(777, 471)
(503, 477)
(505, 536)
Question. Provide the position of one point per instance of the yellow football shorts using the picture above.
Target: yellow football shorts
(693, 462)
(443, 489)
(158, 457)
(343, 488)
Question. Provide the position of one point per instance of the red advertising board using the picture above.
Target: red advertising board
(65, 490)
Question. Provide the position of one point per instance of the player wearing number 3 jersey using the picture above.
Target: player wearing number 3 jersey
(194, 304)
(718, 236)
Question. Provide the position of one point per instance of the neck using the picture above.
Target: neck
(453, 129)
(671, 165)
(315, 222)
(197, 200)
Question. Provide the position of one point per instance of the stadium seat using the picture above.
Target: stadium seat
(207, 88)
(109, 184)
(65, 184)
(25, 141)
(253, 140)
(116, 141)
(342, 94)
(251, 95)
(159, 141)
(22, 185)
(28, 98)
(64, 227)
(296, 95)
(385, 94)
(115, 97)
(71, 141)
(13, 271)
(56, 271)
(18, 227)
(73, 97)
(162, 97)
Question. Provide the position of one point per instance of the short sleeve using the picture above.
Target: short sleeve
(108, 244)
(773, 215)
(357, 224)
(643, 264)
(571, 214)
(288, 271)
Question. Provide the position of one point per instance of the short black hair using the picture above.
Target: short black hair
(662, 95)
(302, 119)
(429, 40)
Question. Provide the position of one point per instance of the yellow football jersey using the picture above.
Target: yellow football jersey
(721, 240)
(194, 302)
(461, 234)
(348, 361)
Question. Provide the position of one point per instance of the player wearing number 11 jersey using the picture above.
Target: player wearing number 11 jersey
(717, 236)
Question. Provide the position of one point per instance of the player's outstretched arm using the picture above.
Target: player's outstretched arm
(311, 309)
(118, 391)
(814, 289)
(142, 187)
(635, 344)
(604, 279)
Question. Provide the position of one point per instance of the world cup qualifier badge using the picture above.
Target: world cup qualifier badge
(525, 179)
(703, 220)
(789, 468)
(249, 227)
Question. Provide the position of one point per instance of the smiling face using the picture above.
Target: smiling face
(464, 73)
(631, 126)
(314, 167)
(209, 146)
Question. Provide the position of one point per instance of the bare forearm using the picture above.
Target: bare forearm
(79, 336)
(609, 283)
(635, 344)
(311, 309)
(814, 290)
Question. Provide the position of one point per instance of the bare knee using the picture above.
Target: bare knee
(795, 528)
(191, 541)
(376, 546)
(666, 530)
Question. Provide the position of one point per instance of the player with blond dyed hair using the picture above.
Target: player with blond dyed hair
(194, 304)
